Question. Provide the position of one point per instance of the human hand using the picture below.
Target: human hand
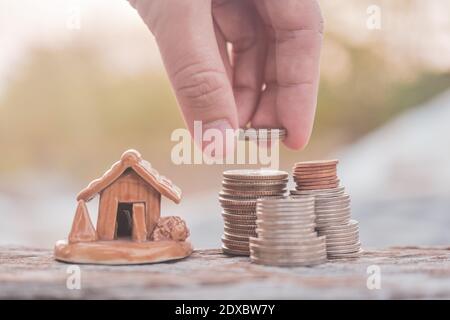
(270, 77)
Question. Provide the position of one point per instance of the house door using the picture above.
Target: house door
(130, 221)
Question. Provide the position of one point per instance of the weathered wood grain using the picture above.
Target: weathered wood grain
(406, 272)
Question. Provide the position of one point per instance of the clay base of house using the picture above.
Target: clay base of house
(119, 252)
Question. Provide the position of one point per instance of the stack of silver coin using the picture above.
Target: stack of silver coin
(332, 207)
(286, 234)
(240, 190)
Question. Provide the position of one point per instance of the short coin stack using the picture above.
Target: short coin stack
(240, 190)
(332, 206)
(286, 234)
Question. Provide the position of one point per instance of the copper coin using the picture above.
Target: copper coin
(318, 183)
(314, 174)
(308, 180)
(317, 163)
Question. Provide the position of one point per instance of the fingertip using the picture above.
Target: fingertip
(297, 140)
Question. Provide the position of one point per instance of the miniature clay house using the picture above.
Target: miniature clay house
(129, 227)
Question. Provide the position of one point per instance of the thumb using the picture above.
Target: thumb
(184, 31)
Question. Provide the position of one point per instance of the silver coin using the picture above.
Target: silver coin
(332, 213)
(229, 251)
(238, 195)
(233, 223)
(286, 208)
(237, 203)
(299, 237)
(341, 194)
(254, 183)
(232, 216)
(336, 233)
(284, 231)
(349, 250)
(286, 212)
(262, 220)
(350, 225)
(248, 211)
(349, 255)
(333, 210)
(334, 217)
(338, 229)
(320, 192)
(344, 239)
(281, 222)
(286, 252)
(276, 208)
(327, 199)
(332, 205)
(287, 200)
(239, 232)
(340, 237)
(240, 226)
(311, 240)
(288, 256)
(343, 246)
(293, 237)
(230, 236)
(285, 235)
(264, 224)
(237, 243)
(250, 186)
(286, 215)
(324, 222)
(282, 207)
(288, 263)
(288, 218)
(288, 247)
(259, 174)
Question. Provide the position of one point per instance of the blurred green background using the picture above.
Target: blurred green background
(64, 107)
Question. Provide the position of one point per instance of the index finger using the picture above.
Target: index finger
(297, 30)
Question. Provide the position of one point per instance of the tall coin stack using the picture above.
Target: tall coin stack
(240, 189)
(332, 206)
(286, 234)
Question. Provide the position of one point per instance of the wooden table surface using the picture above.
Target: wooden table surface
(406, 272)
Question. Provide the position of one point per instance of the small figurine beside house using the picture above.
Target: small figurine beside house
(129, 227)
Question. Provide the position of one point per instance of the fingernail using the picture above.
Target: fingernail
(223, 126)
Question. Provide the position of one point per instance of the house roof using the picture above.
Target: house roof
(132, 159)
